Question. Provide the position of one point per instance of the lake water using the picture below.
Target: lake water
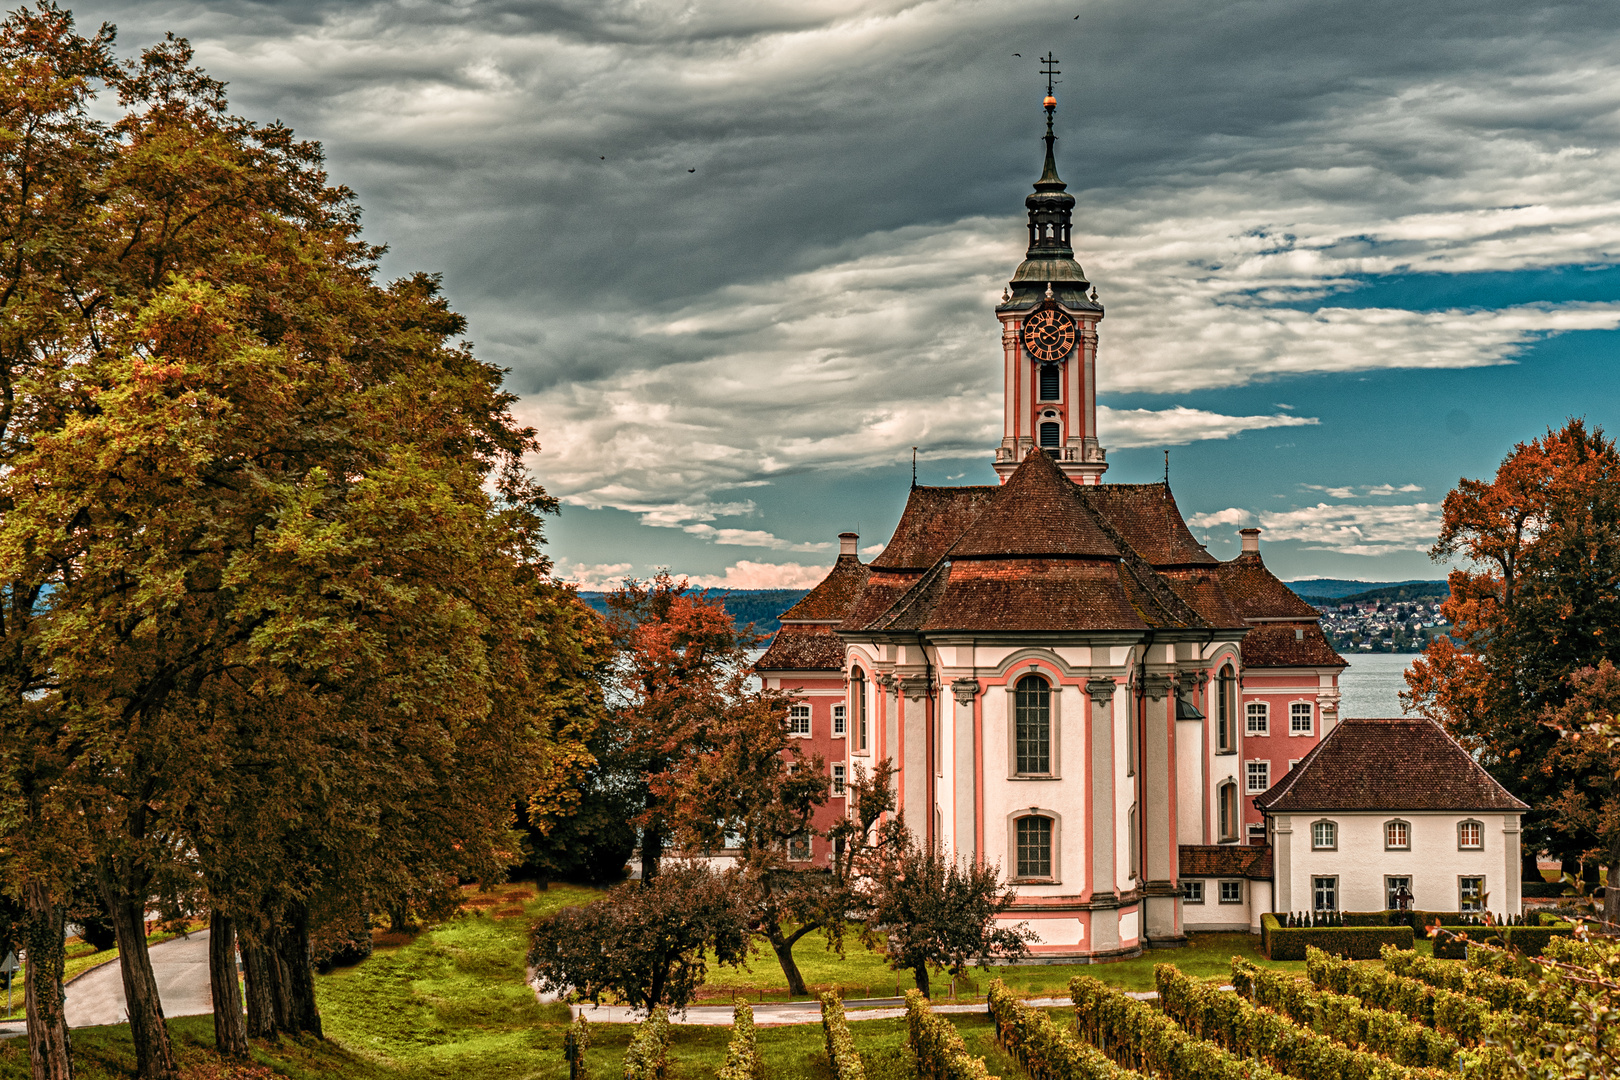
(1371, 685)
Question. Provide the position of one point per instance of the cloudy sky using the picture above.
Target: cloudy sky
(741, 256)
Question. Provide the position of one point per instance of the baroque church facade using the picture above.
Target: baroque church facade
(1069, 685)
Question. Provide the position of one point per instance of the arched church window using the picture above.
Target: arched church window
(857, 690)
(1034, 839)
(1033, 719)
(1051, 436)
(1226, 707)
(1050, 374)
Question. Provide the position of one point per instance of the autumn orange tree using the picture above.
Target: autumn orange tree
(1536, 601)
(276, 617)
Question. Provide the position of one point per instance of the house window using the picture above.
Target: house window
(1192, 892)
(858, 692)
(1299, 718)
(1324, 836)
(1325, 892)
(799, 720)
(838, 779)
(1259, 718)
(1471, 894)
(1227, 798)
(1051, 436)
(1034, 846)
(1397, 836)
(1033, 736)
(1050, 374)
(838, 721)
(1257, 835)
(1392, 888)
(799, 848)
(1470, 835)
(1225, 693)
(1231, 892)
(1259, 774)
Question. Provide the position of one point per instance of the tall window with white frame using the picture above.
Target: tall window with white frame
(1300, 718)
(838, 721)
(1259, 776)
(838, 777)
(799, 720)
(857, 692)
(1225, 709)
(1034, 840)
(1032, 737)
(1470, 836)
(1470, 894)
(1259, 718)
(1227, 805)
(1325, 893)
(1324, 836)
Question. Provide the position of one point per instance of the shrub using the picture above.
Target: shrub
(1501, 992)
(941, 1054)
(1045, 1050)
(742, 1055)
(1599, 957)
(1237, 1025)
(1542, 890)
(846, 1063)
(648, 1053)
(1136, 1035)
(575, 1043)
(1343, 1018)
(1357, 942)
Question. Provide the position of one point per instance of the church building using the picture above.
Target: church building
(1070, 686)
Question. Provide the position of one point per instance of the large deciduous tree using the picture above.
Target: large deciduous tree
(1536, 600)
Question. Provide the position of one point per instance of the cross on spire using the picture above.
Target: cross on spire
(1049, 69)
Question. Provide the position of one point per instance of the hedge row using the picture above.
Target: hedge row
(841, 1054)
(1343, 1018)
(1138, 1036)
(1529, 940)
(1501, 992)
(1357, 942)
(1046, 1051)
(1230, 1021)
(649, 1048)
(941, 1054)
(742, 1055)
(575, 1043)
(1464, 1016)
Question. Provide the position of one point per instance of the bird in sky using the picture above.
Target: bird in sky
(604, 157)
(691, 170)
(1018, 54)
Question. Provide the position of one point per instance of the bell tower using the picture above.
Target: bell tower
(1049, 314)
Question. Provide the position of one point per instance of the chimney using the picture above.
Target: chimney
(846, 543)
(1251, 540)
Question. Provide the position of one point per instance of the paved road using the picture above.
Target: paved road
(181, 967)
(776, 1013)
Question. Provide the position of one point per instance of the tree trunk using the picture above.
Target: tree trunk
(297, 965)
(1528, 870)
(230, 1037)
(50, 1053)
(783, 948)
(920, 973)
(258, 965)
(154, 1057)
(1611, 891)
(652, 850)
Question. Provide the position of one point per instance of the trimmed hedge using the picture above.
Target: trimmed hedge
(1343, 1018)
(1138, 1036)
(1542, 890)
(941, 1053)
(742, 1055)
(1232, 1022)
(841, 1054)
(1357, 942)
(1046, 1051)
(648, 1054)
(575, 1043)
(1529, 940)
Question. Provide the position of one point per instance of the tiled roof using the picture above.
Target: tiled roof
(1406, 763)
(1225, 860)
(830, 601)
(933, 520)
(877, 595)
(1202, 591)
(1281, 644)
(1258, 594)
(803, 648)
(1036, 594)
(1147, 517)
(1039, 511)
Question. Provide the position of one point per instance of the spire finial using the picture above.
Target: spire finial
(913, 468)
(1167, 466)
(1049, 69)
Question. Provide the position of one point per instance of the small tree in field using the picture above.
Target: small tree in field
(645, 943)
(930, 910)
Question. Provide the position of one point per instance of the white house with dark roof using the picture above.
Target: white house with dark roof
(1381, 804)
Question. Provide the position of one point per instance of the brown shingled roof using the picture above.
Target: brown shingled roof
(1202, 591)
(803, 648)
(1039, 594)
(1147, 517)
(1282, 644)
(1405, 763)
(1258, 594)
(1225, 860)
(877, 595)
(933, 520)
(830, 601)
(1038, 511)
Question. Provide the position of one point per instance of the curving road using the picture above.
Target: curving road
(181, 967)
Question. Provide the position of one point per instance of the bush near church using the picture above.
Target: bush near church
(1281, 942)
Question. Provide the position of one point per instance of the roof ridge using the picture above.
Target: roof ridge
(912, 596)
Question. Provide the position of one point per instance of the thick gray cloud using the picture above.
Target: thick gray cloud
(816, 293)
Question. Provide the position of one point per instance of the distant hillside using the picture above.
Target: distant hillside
(1339, 588)
(1405, 592)
(757, 606)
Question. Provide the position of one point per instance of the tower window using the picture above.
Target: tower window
(1050, 374)
(1051, 436)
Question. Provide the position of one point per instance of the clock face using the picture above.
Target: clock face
(1049, 336)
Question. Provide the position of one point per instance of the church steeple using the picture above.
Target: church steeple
(1049, 316)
